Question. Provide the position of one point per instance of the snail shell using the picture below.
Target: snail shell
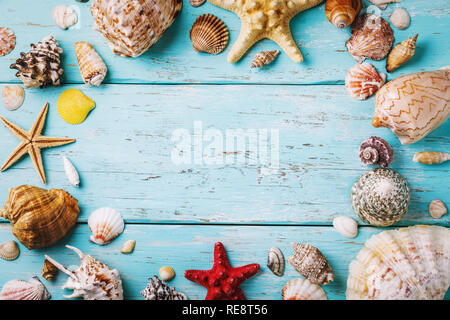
(342, 13)
(401, 53)
(263, 58)
(275, 261)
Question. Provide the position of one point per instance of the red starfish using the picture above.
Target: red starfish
(222, 281)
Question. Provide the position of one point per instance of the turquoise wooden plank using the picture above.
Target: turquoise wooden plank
(172, 59)
(123, 152)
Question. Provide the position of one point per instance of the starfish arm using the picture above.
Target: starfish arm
(283, 37)
(220, 257)
(39, 123)
(247, 38)
(198, 276)
(297, 6)
(230, 5)
(245, 272)
(21, 149)
(49, 142)
(35, 155)
(17, 131)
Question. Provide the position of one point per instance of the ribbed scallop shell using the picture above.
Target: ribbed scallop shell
(264, 58)
(302, 289)
(105, 224)
(407, 263)
(209, 34)
(24, 290)
(93, 69)
(437, 208)
(342, 13)
(7, 41)
(401, 53)
(196, 3)
(431, 157)
(363, 80)
(9, 250)
(12, 97)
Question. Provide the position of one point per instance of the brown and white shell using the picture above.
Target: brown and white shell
(196, 3)
(437, 208)
(132, 26)
(49, 270)
(24, 290)
(302, 289)
(93, 69)
(9, 250)
(372, 38)
(401, 53)
(363, 80)
(7, 41)
(342, 13)
(275, 261)
(12, 96)
(311, 264)
(263, 58)
(209, 34)
(431, 157)
(375, 150)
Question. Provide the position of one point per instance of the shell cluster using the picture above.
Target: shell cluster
(401, 53)
(437, 208)
(12, 97)
(64, 16)
(158, 290)
(275, 261)
(263, 58)
(7, 41)
(302, 289)
(346, 226)
(93, 69)
(431, 157)
(375, 150)
(105, 224)
(342, 13)
(9, 250)
(363, 80)
(24, 290)
(209, 34)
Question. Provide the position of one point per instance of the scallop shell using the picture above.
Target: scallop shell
(93, 69)
(128, 246)
(9, 250)
(401, 53)
(105, 224)
(437, 208)
(73, 106)
(7, 41)
(372, 38)
(12, 97)
(311, 264)
(24, 290)
(166, 273)
(275, 261)
(342, 13)
(400, 18)
(382, 4)
(346, 226)
(209, 34)
(49, 270)
(402, 264)
(363, 80)
(196, 3)
(264, 58)
(431, 157)
(64, 16)
(302, 289)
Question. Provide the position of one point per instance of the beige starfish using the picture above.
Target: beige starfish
(265, 19)
(32, 142)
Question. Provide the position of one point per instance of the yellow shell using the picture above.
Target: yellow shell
(73, 106)
(401, 53)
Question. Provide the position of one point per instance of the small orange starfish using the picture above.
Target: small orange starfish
(32, 142)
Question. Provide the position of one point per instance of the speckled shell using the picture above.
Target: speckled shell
(380, 197)
(40, 217)
(196, 3)
(346, 226)
(93, 69)
(9, 250)
(311, 264)
(12, 97)
(431, 157)
(363, 80)
(401, 53)
(24, 290)
(209, 34)
(413, 105)
(342, 13)
(158, 290)
(105, 224)
(132, 26)
(64, 16)
(275, 261)
(263, 58)
(302, 289)
(7, 41)
(437, 209)
(400, 18)
(372, 38)
(402, 264)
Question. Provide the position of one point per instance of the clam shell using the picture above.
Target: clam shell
(105, 224)
(196, 3)
(12, 97)
(363, 80)
(346, 226)
(24, 290)
(302, 289)
(166, 273)
(64, 16)
(264, 58)
(342, 13)
(93, 69)
(401, 53)
(400, 18)
(275, 261)
(431, 157)
(49, 270)
(128, 246)
(437, 208)
(9, 250)
(209, 34)
(7, 41)
(73, 106)
(71, 173)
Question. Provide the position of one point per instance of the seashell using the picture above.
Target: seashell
(400, 18)
(264, 58)
(71, 173)
(401, 53)
(209, 34)
(437, 208)
(382, 4)
(64, 16)
(275, 261)
(24, 290)
(41, 66)
(311, 263)
(380, 197)
(372, 38)
(346, 226)
(49, 270)
(413, 105)
(431, 157)
(166, 273)
(158, 290)
(93, 69)
(342, 13)
(12, 97)
(131, 26)
(196, 3)
(73, 106)
(363, 80)
(302, 289)
(40, 217)
(7, 41)
(9, 250)
(376, 150)
(402, 264)
(93, 280)
(128, 246)
(105, 224)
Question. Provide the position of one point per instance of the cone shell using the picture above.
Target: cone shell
(402, 264)
(400, 18)
(196, 3)
(264, 58)
(401, 53)
(372, 38)
(49, 270)
(431, 157)
(275, 261)
(71, 173)
(363, 80)
(131, 26)
(24, 290)
(93, 69)
(209, 34)
(128, 246)
(12, 97)
(73, 106)
(105, 224)
(40, 217)
(9, 250)
(64, 16)
(342, 13)
(413, 105)
(7, 41)
(437, 208)
(346, 226)
(302, 289)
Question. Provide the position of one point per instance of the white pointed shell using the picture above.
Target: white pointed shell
(400, 18)
(24, 290)
(302, 289)
(105, 224)
(346, 226)
(128, 246)
(71, 173)
(9, 250)
(64, 16)
(437, 208)
(12, 97)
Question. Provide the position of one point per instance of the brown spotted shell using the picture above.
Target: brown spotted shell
(7, 41)
(401, 53)
(363, 80)
(209, 34)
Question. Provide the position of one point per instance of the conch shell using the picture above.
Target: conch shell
(414, 105)
(401, 53)
(93, 69)
(40, 217)
(342, 13)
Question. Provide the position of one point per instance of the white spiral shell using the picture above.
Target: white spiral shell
(105, 224)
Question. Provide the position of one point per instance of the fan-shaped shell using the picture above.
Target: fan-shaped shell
(342, 13)
(24, 290)
(209, 34)
(12, 97)
(401, 53)
(93, 69)
(302, 289)
(363, 80)
(406, 263)
(7, 41)
(9, 250)
(437, 208)
(105, 224)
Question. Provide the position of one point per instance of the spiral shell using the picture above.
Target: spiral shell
(12, 97)
(49, 270)
(346, 226)
(437, 208)
(196, 3)
(24, 290)
(302, 289)
(128, 246)
(264, 58)
(9, 250)
(400, 18)
(209, 34)
(93, 69)
(105, 224)
(71, 173)
(376, 150)
(342, 13)
(275, 261)
(363, 80)
(166, 273)
(401, 53)
(64, 16)
(431, 157)
(7, 41)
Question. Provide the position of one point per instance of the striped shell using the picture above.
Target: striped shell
(196, 3)
(302, 289)
(342, 13)
(105, 224)
(437, 208)
(264, 58)
(431, 157)
(9, 250)
(363, 80)
(24, 290)
(7, 41)
(401, 53)
(12, 97)
(275, 261)
(93, 69)
(209, 34)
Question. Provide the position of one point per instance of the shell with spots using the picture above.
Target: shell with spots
(263, 58)
(7, 41)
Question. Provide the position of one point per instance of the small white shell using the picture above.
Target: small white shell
(105, 224)
(128, 246)
(12, 97)
(437, 208)
(166, 273)
(71, 173)
(64, 16)
(9, 250)
(302, 289)
(346, 226)
(24, 290)
(400, 18)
